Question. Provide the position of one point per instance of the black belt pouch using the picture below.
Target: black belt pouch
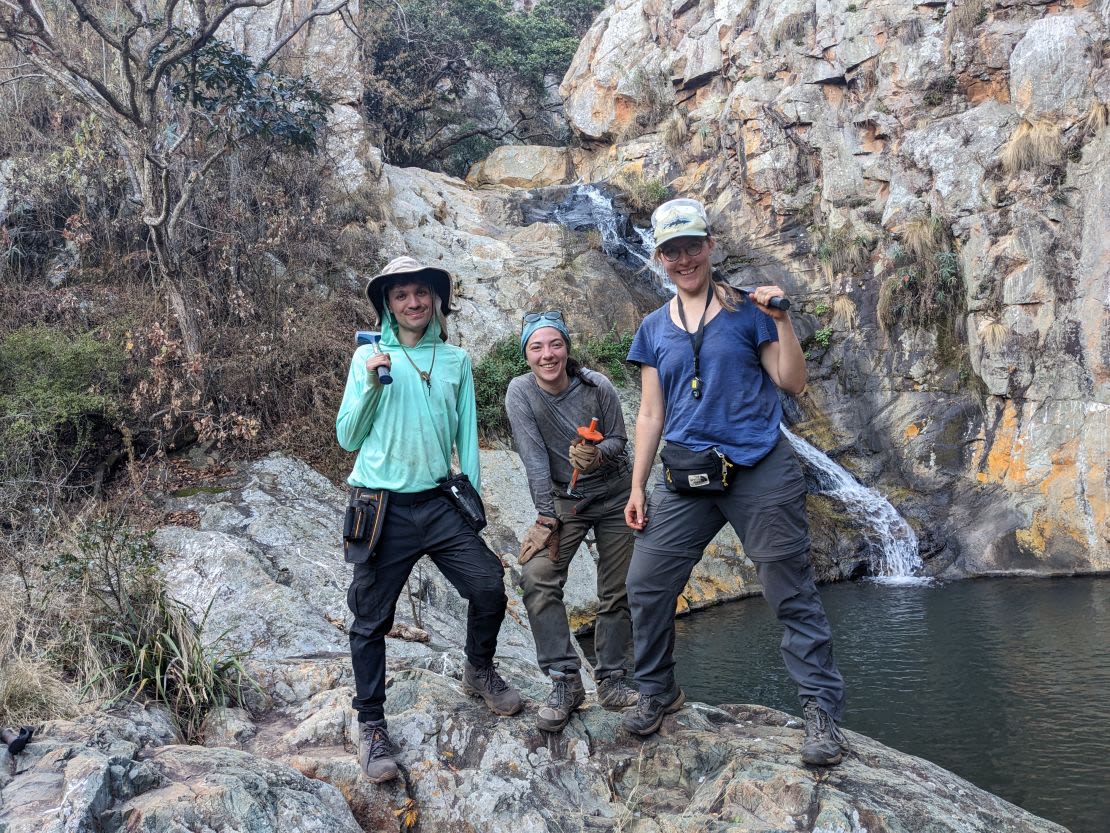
(695, 472)
(362, 524)
(466, 500)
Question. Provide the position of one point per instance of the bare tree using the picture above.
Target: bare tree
(173, 97)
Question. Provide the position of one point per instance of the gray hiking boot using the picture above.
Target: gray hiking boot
(650, 710)
(567, 694)
(375, 752)
(616, 693)
(486, 683)
(825, 744)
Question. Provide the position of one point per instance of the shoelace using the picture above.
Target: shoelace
(558, 694)
(493, 680)
(821, 723)
(380, 744)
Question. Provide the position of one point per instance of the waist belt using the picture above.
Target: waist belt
(412, 498)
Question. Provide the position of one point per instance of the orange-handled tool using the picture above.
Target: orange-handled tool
(590, 435)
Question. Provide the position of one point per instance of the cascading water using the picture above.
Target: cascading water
(893, 542)
(588, 207)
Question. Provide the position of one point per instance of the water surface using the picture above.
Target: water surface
(1005, 682)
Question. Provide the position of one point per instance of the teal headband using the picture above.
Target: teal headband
(530, 328)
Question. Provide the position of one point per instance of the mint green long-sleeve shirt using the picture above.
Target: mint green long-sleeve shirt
(404, 432)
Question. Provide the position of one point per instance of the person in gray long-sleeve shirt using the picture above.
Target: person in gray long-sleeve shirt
(546, 408)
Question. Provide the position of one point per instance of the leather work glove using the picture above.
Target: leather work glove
(584, 456)
(544, 533)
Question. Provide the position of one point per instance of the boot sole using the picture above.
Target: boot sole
(824, 762)
(473, 692)
(557, 727)
(677, 704)
(381, 779)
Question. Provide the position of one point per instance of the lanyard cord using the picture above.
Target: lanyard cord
(696, 337)
(425, 376)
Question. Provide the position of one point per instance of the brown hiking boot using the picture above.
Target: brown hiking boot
(650, 710)
(486, 683)
(825, 744)
(375, 752)
(567, 694)
(616, 693)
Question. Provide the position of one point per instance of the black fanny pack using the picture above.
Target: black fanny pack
(466, 499)
(362, 524)
(695, 472)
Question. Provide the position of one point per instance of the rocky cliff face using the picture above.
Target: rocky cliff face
(265, 556)
(824, 138)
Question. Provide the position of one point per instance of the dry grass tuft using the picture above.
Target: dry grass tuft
(923, 237)
(993, 333)
(845, 314)
(794, 28)
(886, 306)
(674, 131)
(966, 16)
(1098, 117)
(33, 689)
(845, 249)
(1032, 145)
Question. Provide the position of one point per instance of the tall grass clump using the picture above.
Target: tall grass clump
(842, 250)
(925, 288)
(1032, 145)
(143, 643)
(643, 195)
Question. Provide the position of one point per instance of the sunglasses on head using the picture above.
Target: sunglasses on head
(673, 253)
(550, 315)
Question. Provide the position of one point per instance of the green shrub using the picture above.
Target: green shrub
(606, 354)
(643, 195)
(58, 398)
(823, 336)
(491, 379)
(50, 379)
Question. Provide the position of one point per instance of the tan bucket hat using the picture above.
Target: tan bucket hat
(403, 269)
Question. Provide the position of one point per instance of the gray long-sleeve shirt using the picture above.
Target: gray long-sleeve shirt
(544, 426)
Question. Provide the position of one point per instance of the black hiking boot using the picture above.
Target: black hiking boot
(825, 744)
(615, 693)
(486, 683)
(567, 694)
(375, 752)
(650, 710)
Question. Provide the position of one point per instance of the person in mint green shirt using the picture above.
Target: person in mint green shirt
(404, 432)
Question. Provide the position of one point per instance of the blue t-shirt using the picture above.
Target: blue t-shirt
(739, 410)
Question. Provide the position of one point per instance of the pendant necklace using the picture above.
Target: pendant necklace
(425, 375)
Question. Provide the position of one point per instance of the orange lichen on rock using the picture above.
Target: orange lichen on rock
(1006, 456)
(912, 430)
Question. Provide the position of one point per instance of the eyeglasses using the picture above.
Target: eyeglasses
(673, 253)
(550, 315)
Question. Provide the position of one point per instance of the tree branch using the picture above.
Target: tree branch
(87, 16)
(300, 25)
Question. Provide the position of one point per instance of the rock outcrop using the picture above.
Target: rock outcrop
(824, 139)
(266, 557)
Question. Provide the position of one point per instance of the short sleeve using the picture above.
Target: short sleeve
(644, 350)
(765, 329)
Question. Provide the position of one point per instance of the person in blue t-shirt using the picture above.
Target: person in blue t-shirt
(710, 361)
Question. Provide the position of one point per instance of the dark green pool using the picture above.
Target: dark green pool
(1005, 682)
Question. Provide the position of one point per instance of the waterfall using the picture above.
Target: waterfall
(892, 541)
(589, 207)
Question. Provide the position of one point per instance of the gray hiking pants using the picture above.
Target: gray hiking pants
(542, 580)
(766, 507)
